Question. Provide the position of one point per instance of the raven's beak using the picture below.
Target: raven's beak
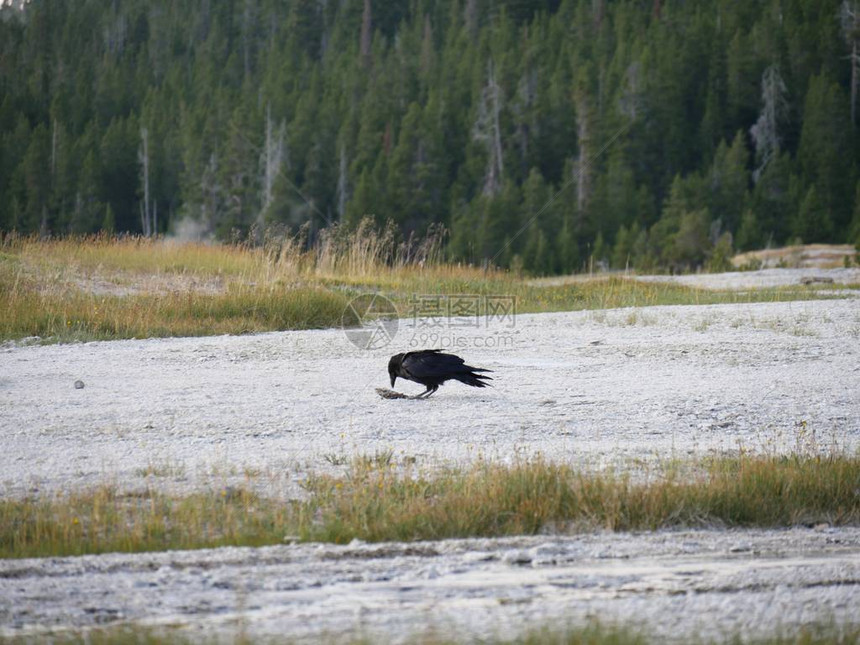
(393, 378)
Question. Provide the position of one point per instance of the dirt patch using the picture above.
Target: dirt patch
(121, 284)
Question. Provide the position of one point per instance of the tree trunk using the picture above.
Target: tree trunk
(146, 223)
(366, 33)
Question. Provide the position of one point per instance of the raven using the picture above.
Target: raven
(431, 368)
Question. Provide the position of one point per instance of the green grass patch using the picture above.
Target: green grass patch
(592, 633)
(598, 293)
(377, 502)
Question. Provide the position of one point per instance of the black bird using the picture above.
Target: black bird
(431, 368)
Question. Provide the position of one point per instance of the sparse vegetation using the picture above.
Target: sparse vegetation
(162, 469)
(592, 633)
(490, 499)
(376, 501)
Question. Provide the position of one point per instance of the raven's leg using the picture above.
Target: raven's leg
(430, 389)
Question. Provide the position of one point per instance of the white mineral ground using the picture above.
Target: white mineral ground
(623, 388)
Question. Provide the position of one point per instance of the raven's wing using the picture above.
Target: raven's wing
(432, 364)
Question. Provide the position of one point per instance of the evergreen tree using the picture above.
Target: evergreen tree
(89, 211)
(727, 181)
(713, 127)
(35, 169)
(813, 223)
(854, 230)
(690, 244)
(772, 202)
(720, 256)
(825, 147)
(538, 218)
(749, 235)
(119, 166)
(622, 250)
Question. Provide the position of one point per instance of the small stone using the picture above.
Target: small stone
(517, 557)
(79, 385)
(816, 279)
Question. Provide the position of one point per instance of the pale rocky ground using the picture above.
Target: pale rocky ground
(701, 586)
(626, 388)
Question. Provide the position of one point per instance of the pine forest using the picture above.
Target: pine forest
(541, 135)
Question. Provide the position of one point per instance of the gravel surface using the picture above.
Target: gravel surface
(595, 388)
(765, 277)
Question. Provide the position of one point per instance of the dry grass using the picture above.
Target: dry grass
(376, 502)
(593, 633)
(80, 316)
(100, 288)
(75, 289)
(103, 520)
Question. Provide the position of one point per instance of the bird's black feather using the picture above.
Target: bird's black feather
(432, 367)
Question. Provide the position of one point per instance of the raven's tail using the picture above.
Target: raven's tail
(475, 380)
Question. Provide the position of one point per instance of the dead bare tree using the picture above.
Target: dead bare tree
(521, 107)
(582, 166)
(470, 16)
(488, 131)
(765, 132)
(147, 216)
(630, 101)
(248, 27)
(366, 33)
(272, 160)
(342, 184)
(850, 18)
